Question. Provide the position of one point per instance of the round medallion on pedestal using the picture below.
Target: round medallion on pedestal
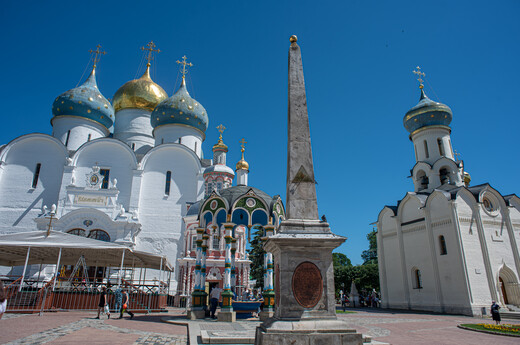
(307, 284)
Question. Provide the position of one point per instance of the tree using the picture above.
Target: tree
(256, 255)
(370, 256)
(340, 259)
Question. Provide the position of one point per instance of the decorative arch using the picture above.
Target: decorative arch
(94, 144)
(508, 287)
(7, 148)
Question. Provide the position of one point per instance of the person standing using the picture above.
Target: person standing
(126, 302)
(495, 313)
(119, 300)
(3, 299)
(103, 303)
(214, 297)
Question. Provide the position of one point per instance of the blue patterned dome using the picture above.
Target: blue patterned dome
(180, 109)
(85, 101)
(427, 113)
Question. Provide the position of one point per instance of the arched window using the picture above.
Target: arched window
(441, 148)
(423, 179)
(426, 149)
(36, 175)
(168, 183)
(416, 277)
(442, 245)
(216, 242)
(106, 175)
(444, 176)
(78, 232)
(99, 234)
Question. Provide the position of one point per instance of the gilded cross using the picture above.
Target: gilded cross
(184, 64)
(150, 47)
(420, 75)
(457, 155)
(97, 52)
(243, 142)
(221, 129)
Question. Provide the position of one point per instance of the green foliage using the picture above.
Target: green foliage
(370, 255)
(256, 255)
(365, 276)
(340, 259)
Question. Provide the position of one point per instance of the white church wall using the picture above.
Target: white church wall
(107, 154)
(449, 262)
(161, 214)
(471, 246)
(133, 126)
(81, 130)
(20, 202)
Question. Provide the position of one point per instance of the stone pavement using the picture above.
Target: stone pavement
(83, 328)
(389, 326)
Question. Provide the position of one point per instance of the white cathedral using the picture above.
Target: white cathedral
(447, 246)
(125, 172)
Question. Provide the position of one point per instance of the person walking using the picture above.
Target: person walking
(119, 300)
(3, 299)
(214, 297)
(103, 303)
(495, 313)
(126, 302)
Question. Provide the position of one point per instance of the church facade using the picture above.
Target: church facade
(128, 171)
(447, 246)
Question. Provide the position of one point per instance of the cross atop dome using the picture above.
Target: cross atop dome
(420, 75)
(184, 71)
(96, 53)
(150, 47)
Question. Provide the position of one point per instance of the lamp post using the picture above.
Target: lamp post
(227, 314)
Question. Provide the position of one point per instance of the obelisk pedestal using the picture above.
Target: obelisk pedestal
(305, 311)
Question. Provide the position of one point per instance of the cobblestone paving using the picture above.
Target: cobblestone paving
(375, 331)
(147, 338)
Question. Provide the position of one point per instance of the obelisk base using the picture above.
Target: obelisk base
(306, 332)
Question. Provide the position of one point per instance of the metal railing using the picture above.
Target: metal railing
(32, 296)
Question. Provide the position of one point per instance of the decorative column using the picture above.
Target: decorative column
(227, 314)
(205, 241)
(268, 294)
(197, 310)
(233, 266)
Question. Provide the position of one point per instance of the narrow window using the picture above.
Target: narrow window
(89, 136)
(194, 242)
(426, 149)
(195, 147)
(442, 244)
(36, 175)
(168, 183)
(106, 174)
(441, 148)
(216, 242)
(67, 139)
(162, 141)
(444, 176)
(417, 279)
(451, 148)
(180, 140)
(133, 146)
(415, 147)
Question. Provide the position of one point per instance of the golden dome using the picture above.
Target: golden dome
(242, 165)
(140, 93)
(467, 178)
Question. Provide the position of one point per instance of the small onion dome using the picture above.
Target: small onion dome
(242, 164)
(220, 146)
(85, 101)
(219, 169)
(180, 109)
(467, 178)
(140, 93)
(427, 113)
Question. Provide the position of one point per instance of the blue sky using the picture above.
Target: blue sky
(358, 57)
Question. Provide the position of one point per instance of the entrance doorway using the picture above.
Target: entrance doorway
(503, 288)
(509, 287)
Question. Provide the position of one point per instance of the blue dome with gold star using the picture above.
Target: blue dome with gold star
(85, 101)
(427, 113)
(180, 109)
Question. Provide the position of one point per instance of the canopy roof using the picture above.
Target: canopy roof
(45, 250)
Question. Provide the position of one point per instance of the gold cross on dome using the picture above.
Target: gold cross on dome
(150, 47)
(97, 52)
(243, 142)
(184, 71)
(221, 129)
(420, 75)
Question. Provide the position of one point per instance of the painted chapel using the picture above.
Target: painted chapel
(447, 246)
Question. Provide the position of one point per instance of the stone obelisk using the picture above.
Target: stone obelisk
(305, 311)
